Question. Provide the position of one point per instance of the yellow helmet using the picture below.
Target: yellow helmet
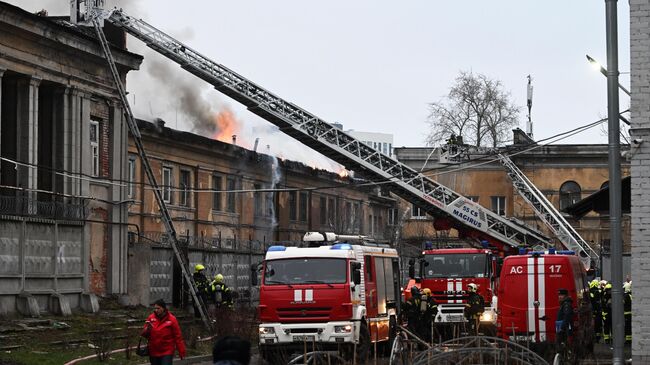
(594, 283)
(218, 278)
(426, 291)
(198, 267)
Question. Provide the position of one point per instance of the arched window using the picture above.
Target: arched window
(569, 194)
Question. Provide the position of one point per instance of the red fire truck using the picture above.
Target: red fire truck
(528, 299)
(447, 272)
(338, 296)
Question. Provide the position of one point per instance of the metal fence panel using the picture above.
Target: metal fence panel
(39, 249)
(69, 258)
(160, 276)
(10, 248)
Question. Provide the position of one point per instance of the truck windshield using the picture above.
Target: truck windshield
(305, 271)
(455, 266)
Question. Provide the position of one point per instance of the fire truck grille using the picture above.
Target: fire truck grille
(311, 312)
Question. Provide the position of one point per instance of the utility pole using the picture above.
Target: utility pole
(618, 330)
(529, 103)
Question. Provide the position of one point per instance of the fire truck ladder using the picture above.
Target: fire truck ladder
(545, 210)
(95, 20)
(434, 198)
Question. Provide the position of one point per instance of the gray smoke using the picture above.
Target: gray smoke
(188, 93)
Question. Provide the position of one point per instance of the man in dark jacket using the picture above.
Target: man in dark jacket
(201, 285)
(564, 322)
(474, 307)
(595, 295)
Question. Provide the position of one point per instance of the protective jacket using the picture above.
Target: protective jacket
(164, 335)
(201, 282)
(221, 294)
(475, 305)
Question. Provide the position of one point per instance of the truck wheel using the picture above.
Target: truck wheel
(363, 348)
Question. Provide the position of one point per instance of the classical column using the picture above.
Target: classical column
(2, 71)
(27, 136)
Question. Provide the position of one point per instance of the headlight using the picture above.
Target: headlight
(487, 317)
(343, 329)
(267, 330)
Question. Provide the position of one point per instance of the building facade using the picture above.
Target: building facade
(563, 173)
(63, 145)
(640, 151)
(382, 142)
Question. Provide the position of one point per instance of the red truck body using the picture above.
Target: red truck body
(528, 298)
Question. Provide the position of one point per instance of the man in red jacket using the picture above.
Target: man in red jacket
(164, 335)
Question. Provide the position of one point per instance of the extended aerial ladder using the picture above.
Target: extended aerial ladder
(449, 208)
(545, 211)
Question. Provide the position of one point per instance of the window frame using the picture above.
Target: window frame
(499, 209)
(166, 185)
(217, 186)
(132, 169)
(231, 198)
(184, 188)
(94, 147)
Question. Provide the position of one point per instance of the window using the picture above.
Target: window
(499, 204)
(167, 184)
(216, 194)
(392, 217)
(331, 211)
(417, 212)
(184, 183)
(94, 147)
(390, 149)
(131, 187)
(570, 193)
(323, 210)
(303, 206)
(257, 200)
(231, 186)
(292, 206)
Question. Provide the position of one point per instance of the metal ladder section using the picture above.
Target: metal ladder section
(135, 132)
(545, 210)
(434, 198)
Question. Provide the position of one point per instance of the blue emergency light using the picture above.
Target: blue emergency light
(341, 246)
(566, 252)
(523, 251)
(277, 248)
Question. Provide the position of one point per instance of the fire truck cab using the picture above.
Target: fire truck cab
(339, 296)
(528, 299)
(448, 272)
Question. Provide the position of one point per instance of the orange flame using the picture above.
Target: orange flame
(226, 126)
(343, 172)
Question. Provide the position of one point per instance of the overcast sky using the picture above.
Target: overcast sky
(374, 65)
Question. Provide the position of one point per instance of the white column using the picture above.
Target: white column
(2, 71)
(118, 259)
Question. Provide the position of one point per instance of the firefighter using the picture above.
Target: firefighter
(220, 292)
(201, 285)
(595, 295)
(606, 310)
(415, 309)
(627, 308)
(429, 314)
(474, 308)
(564, 322)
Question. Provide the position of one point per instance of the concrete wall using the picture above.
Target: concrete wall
(40, 259)
(640, 113)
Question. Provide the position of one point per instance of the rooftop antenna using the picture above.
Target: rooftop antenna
(82, 12)
(529, 125)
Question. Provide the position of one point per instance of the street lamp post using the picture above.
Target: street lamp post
(616, 246)
(603, 71)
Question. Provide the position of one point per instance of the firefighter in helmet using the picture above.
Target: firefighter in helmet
(415, 308)
(429, 314)
(201, 284)
(564, 321)
(606, 310)
(474, 308)
(627, 310)
(220, 292)
(595, 295)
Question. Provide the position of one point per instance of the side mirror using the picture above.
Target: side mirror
(411, 269)
(356, 272)
(254, 268)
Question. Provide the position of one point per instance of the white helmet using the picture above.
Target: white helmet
(472, 287)
(627, 286)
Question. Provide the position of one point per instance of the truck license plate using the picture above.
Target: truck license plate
(456, 318)
(304, 338)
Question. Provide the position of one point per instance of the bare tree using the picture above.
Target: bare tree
(476, 108)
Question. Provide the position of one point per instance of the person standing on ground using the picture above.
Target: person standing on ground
(164, 335)
(627, 310)
(220, 292)
(474, 308)
(595, 295)
(202, 287)
(564, 321)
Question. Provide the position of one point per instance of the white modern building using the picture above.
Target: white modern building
(382, 142)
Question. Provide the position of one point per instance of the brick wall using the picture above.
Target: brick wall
(98, 260)
(100, 111)
(640, 110)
